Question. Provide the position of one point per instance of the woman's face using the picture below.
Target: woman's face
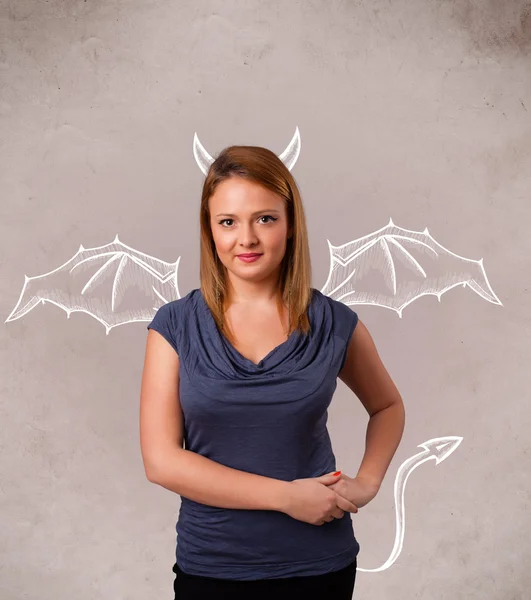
(247, 218)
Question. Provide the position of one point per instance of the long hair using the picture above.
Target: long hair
(263, 167)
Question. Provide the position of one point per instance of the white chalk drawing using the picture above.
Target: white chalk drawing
(288, 157)
(117, 284)
(114, 283)
(390, 267)
(431, 269)
(437, 449)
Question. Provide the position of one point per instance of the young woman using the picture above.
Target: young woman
(242, 371)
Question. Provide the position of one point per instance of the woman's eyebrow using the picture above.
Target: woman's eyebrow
(268, 210)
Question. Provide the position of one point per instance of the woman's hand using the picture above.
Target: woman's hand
(312, 501)
(358, 490)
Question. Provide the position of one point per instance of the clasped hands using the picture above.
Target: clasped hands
(306, 499)
(359, 490)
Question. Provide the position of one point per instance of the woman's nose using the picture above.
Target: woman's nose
(247, 236)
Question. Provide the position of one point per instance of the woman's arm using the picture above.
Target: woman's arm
(365, 374)
(187, 473)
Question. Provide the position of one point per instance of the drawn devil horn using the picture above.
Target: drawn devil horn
(288, 157)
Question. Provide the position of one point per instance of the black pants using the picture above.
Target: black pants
(338, 585)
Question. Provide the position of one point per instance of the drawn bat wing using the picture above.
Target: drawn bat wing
(114, 283)
(392, 267)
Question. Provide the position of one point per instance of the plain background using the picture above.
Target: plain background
(413, 110)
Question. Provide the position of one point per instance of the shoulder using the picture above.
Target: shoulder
(170, 318)
(335, 321)
(178, 307)
(341, 318)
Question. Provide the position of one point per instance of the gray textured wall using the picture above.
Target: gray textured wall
(413, 110)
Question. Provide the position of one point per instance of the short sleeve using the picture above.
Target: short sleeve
(166, 323)
(345, 323)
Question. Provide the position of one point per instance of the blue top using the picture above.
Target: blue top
(267, 418)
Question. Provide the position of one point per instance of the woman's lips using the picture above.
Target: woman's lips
(249, 257)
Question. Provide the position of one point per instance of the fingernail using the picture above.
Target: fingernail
(337, 473)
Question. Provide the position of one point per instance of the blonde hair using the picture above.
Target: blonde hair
(263, 167)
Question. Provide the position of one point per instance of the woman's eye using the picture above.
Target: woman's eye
(227, 224)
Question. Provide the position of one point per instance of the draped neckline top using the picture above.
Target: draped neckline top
(273, 358)
(268, 418)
